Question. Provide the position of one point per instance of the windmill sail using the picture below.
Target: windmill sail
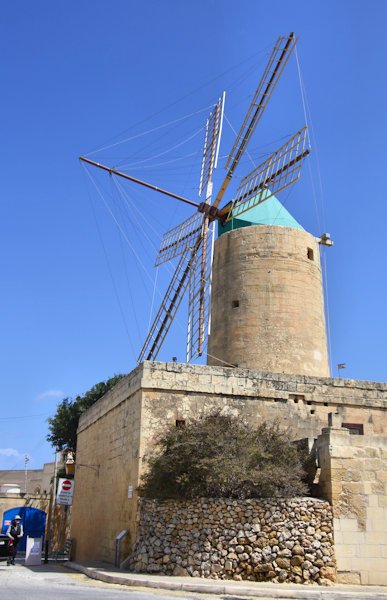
(273, 71)
(211, 145)
(278, 172)
(199, 298)
(170, 304)
(274, 68)
(176, 240)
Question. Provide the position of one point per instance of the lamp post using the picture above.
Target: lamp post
(70, 464)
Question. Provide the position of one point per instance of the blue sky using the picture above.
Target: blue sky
(80, 76)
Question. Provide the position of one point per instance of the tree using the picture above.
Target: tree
(63, 425)
(222, 456)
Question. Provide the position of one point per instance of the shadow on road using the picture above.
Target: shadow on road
(50, 567)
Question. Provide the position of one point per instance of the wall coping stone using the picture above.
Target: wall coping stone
(237, 382)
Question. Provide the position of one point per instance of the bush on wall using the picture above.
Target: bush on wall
(222, 456)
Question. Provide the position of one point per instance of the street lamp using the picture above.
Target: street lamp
(70, 464)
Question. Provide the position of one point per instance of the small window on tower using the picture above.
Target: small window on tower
(310, 254)
(354, 428)
(235, 303)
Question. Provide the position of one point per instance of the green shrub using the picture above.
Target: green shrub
(221, 456)
(64, 424)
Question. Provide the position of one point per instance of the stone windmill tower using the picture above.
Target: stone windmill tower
(267, 305)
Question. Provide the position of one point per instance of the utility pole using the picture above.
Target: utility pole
(26, 461)
(51, 518)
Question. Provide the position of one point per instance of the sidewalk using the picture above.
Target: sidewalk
(109, 574)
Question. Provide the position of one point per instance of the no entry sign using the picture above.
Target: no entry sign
(65, 491)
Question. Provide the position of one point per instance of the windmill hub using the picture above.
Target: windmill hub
(211, 211)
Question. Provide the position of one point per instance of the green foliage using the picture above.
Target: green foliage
(63, 425)
(221, 456)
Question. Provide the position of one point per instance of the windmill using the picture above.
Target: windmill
(190, 241)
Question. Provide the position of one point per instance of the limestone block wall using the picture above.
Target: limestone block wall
(38, 480)
(107, 463)
(267, 306)
(354, 479)
(259, 540)
(172, 391)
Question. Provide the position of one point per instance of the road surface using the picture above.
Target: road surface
(55, 582)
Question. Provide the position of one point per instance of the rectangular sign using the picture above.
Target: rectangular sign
(65, 491)
(33, 551)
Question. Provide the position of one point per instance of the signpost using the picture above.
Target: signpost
(65, 492)
(64, 497)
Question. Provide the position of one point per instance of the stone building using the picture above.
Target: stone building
(267, 360)
(29, 492)
(18, 488)
(35, 481)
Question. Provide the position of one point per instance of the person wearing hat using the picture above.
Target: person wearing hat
(15, 533)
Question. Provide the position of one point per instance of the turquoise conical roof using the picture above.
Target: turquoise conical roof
(268, 212)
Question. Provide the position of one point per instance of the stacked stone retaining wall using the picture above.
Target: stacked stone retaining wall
(256, 539)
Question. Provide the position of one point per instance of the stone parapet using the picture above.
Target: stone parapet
(248, 382)
(299, 402)
(297, 397)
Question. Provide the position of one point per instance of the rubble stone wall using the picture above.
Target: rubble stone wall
(256, 539)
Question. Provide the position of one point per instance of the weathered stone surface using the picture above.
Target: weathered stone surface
(249, 266)
(283, 563)
(328, 573)
(284, 547)
(296, 561)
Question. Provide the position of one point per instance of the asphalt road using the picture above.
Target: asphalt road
(54, 582)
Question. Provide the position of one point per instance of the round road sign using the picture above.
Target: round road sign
(66, 485)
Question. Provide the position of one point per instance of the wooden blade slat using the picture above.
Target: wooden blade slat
(211, 144)
(273, 71)
(170, 304)
(199, 300)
